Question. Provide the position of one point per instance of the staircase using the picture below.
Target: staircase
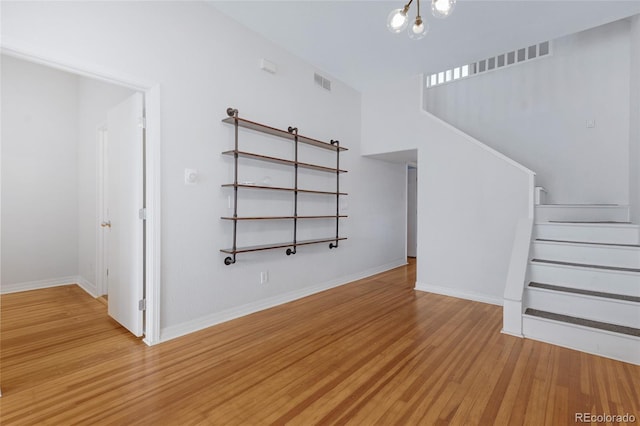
(583, 280)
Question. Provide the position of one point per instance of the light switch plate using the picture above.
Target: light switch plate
(190, 176)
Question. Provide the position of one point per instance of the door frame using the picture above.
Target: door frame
(151, 91)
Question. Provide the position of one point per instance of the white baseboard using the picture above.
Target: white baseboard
(88, 286)
(448, 291)
(52, 282)
(198, 324)
(508, 333)
(39, 284)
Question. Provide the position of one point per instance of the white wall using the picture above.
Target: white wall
(205, 63)
(470, 198)
(536, 113)
(39, 173)
(634, 122)
(95, 98)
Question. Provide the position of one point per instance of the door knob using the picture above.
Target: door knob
(106, 224)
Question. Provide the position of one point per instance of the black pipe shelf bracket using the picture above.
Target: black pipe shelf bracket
(291, 134)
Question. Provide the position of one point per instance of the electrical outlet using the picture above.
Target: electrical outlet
(264, 277)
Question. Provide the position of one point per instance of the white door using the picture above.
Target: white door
(125, 195)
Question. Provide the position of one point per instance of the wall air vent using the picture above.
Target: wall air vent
(508, 59)
(325, 83)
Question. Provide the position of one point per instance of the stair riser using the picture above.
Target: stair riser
(616, 282)
(597, 342)
(625, 257)
(593, 233)
(593, 308)
(545, 213)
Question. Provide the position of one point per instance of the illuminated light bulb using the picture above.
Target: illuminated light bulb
(418, 30)
(397, 20)
(442, 8)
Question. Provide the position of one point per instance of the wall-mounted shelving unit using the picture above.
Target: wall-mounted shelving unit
(290, 134)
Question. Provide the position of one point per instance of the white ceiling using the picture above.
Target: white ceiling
(349, 39)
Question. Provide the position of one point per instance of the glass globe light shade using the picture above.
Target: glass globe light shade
(397, 20)
(442, 8)
(418, 29)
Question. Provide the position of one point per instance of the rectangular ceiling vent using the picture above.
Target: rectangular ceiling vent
(325, 83)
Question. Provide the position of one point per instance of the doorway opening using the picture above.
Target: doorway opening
(51, 233)
(412, 211)
(407, 159)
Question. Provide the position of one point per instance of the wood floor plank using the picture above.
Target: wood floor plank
(374, 351)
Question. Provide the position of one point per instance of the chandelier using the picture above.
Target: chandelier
(398, 20)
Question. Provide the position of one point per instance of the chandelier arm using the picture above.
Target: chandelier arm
(406, 6)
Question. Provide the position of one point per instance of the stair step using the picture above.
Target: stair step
(586, 278)
(588, 223)
(584, 303)
(586, 265)
(630, 331)
(592, 232)
(588, 242)
(615, 345)
(603, 212)
(585, 292)
(602, 254)
(581, 205)
(591, 222)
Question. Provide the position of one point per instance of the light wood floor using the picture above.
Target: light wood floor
(371, 352)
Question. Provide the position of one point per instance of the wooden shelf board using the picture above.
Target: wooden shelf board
(325, 240)
(261, 157)
(278, 188)
(320, 168)
(247, 124)
(282, 217)
(280, 245)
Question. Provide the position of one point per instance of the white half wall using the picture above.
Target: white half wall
(470, 198)
(39, 173)
(204, 64)
(536, 113)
